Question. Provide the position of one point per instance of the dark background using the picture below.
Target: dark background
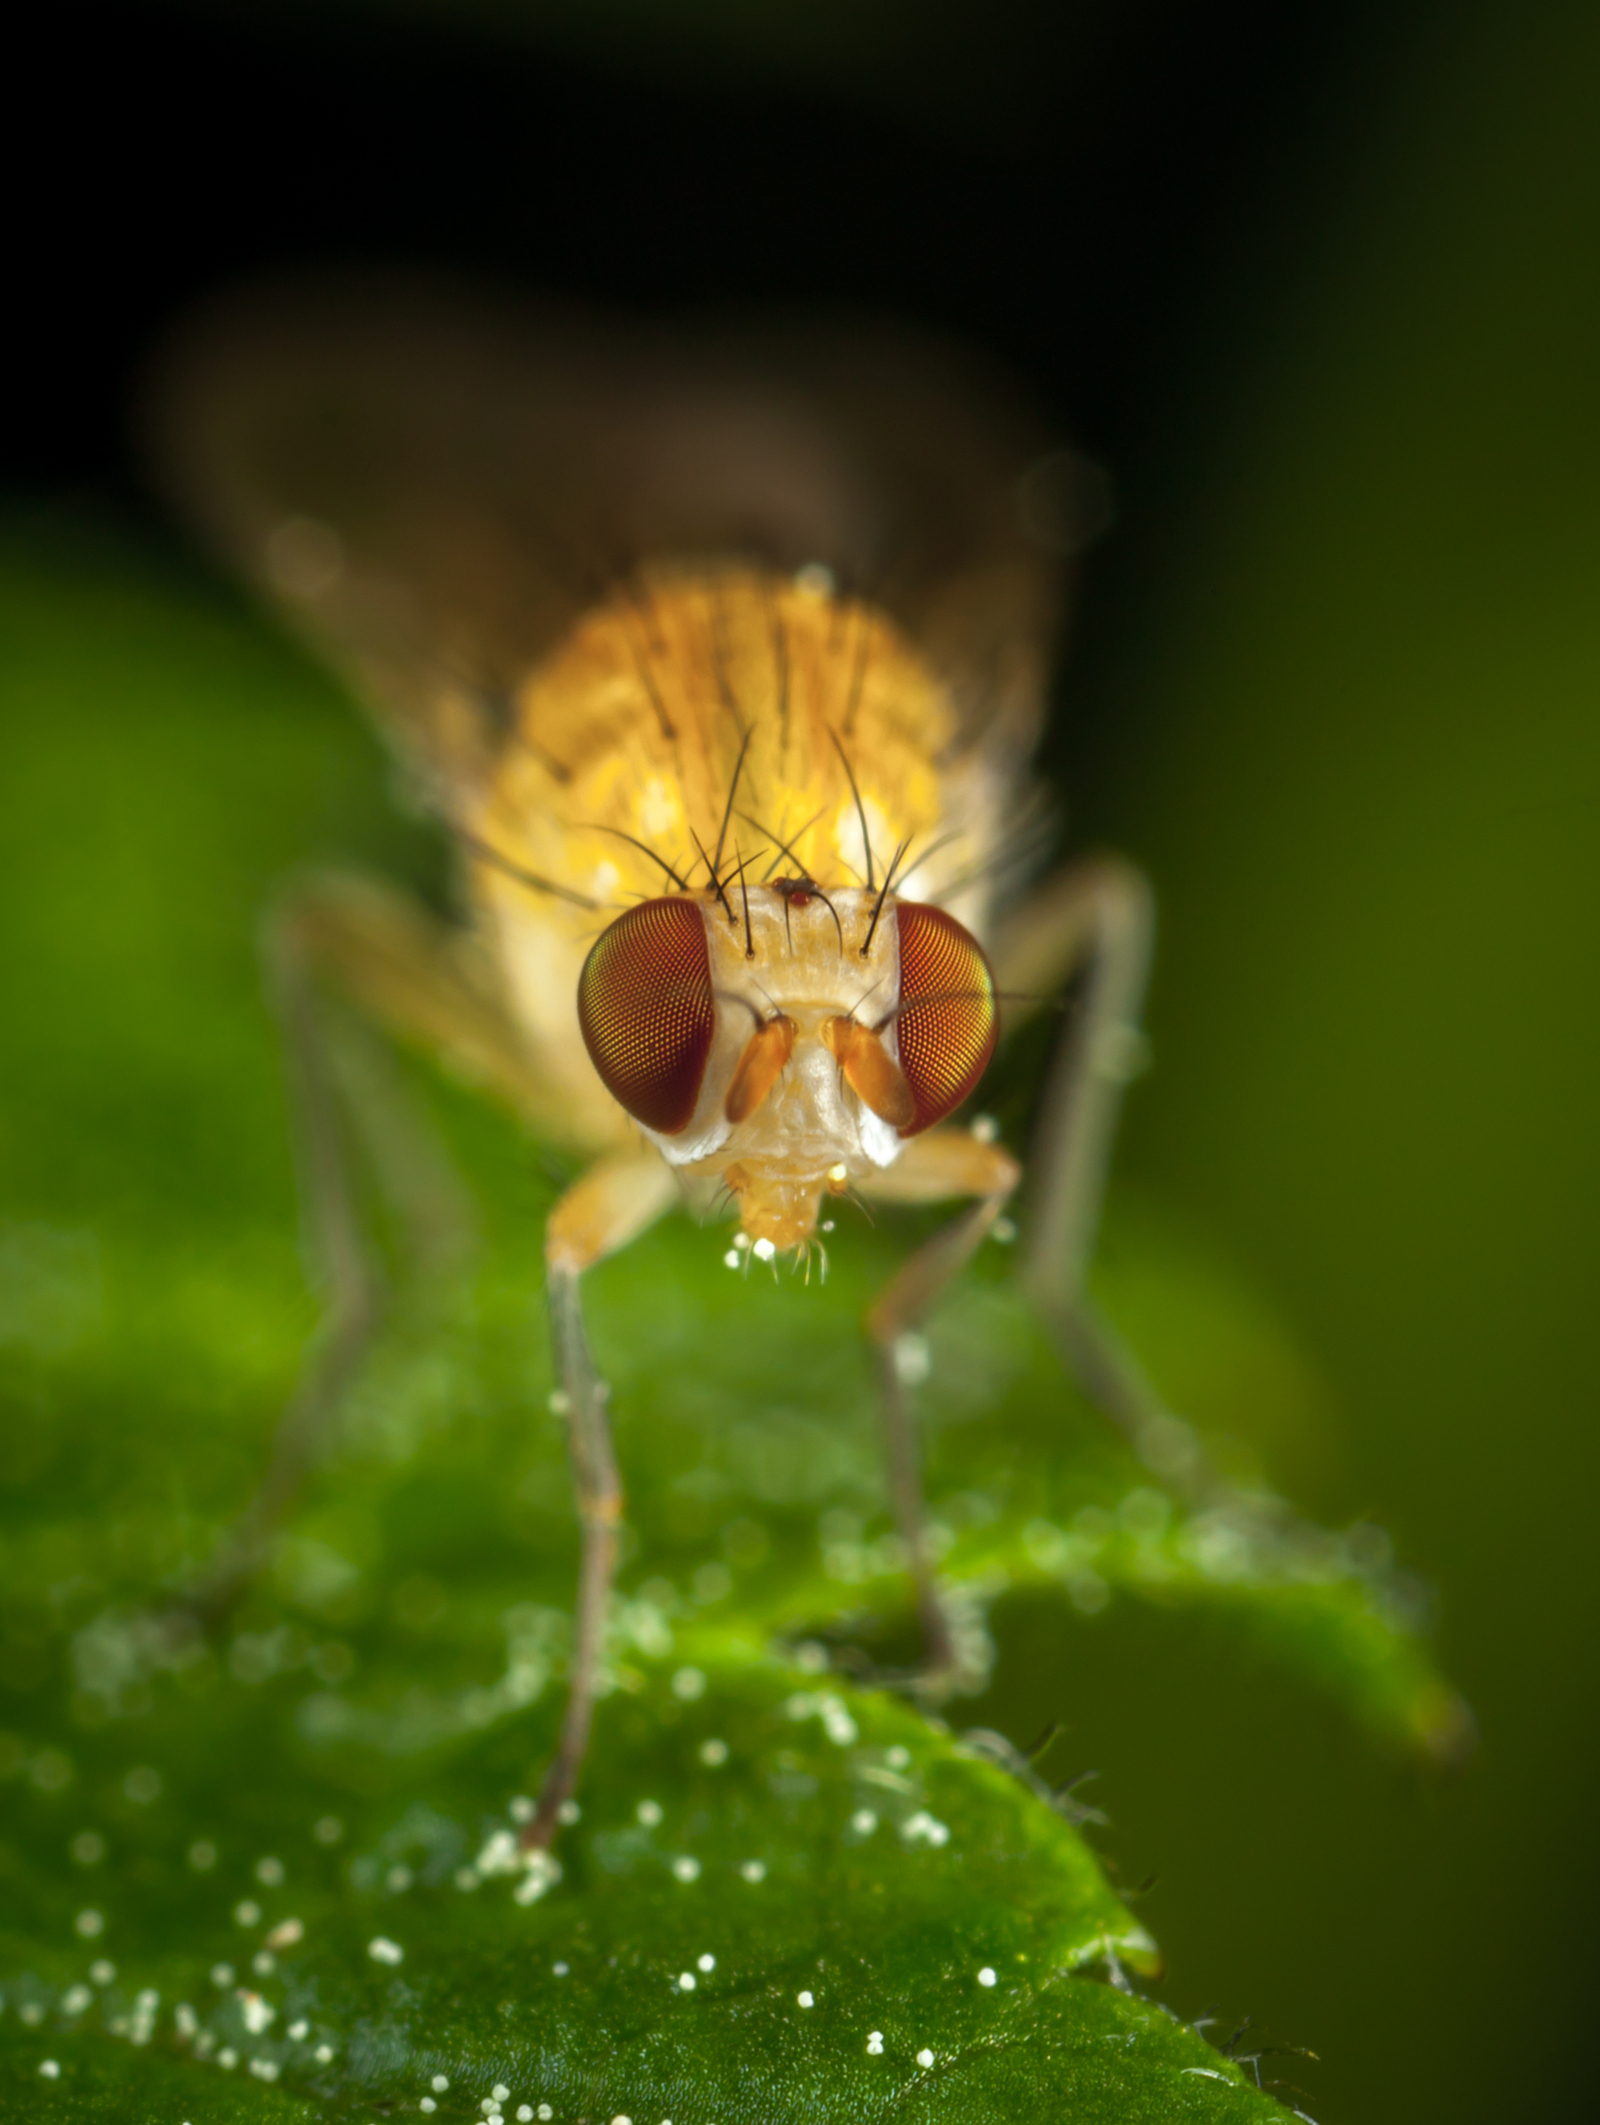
(1319, 285)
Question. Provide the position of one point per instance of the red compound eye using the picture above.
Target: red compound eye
(647, 1012)
(947, 1020)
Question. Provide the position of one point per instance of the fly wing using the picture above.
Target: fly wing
(434, 484)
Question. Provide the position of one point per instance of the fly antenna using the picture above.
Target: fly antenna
(733, 791)
(861, 810)
(883, 896)
(531, 879)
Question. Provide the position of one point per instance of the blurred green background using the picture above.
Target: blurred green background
(1322, 292)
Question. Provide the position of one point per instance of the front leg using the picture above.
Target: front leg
(932, 1168)
(613, 1203)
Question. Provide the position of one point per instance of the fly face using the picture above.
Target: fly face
(779, 1042)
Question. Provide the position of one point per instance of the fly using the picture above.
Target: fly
(723, 661)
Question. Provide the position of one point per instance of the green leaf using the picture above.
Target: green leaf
(783, 1900)
(399, 1668)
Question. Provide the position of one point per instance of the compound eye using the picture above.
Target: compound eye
(647, 1012)
(947, 1020)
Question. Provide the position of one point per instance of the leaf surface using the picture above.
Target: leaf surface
(399, 1671)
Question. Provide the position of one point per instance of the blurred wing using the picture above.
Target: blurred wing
(435, 484)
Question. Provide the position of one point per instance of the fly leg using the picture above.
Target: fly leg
(932, 1168)
(1097, 918)
(410, 972)
(611, 1205)
(418, 977)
